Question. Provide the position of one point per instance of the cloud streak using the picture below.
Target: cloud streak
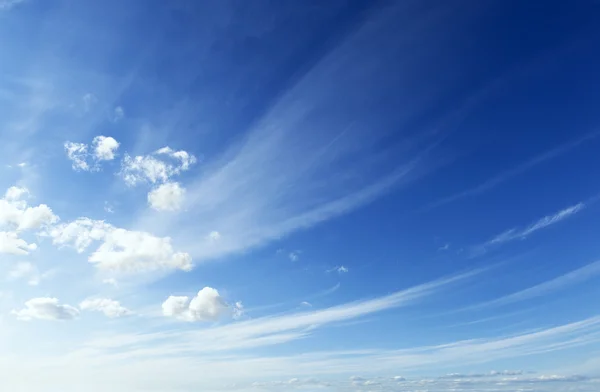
(519, 169)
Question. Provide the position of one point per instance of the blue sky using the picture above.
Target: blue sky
(315, 196)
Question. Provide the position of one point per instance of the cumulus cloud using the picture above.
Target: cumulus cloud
(77, 153)
(109, 307)
(105, 148)
(157, 167)
(11, 243)
(166, 197)
(207, 305)
(46, 309)
(120, 250)
(16, 216)
(83, 158)
(15, 193)
(294, 256)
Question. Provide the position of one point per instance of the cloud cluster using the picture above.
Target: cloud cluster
(110, 308)
(16, 216)
(120, 250)
(155, 168)
(207, 305)
(46, 309)
(84, 158)
(166, 197)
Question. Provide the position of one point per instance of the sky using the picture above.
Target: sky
(354, 196)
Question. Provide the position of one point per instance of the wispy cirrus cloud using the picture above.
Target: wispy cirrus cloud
(519, 169)
(522, 233)
(571, 278)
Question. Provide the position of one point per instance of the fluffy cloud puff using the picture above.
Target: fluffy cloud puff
(207, 305)
(121, 250)
(104, 148)
(16, 216)
(109, 307)
(155, 168)
(166, 197)
(46, 309)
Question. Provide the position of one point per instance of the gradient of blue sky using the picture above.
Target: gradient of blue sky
(357, 195)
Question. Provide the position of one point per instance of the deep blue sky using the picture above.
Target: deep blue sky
(352, 191)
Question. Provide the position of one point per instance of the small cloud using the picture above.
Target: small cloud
(237, 310)
(166, 197)
(214, 236)
(207, 305)
(306, 304)
(339, 269)
(22, 164)
(45, 309)
(445, 247)
(294, 256)
(118, 114)
(89, 100)
(105, 148)
(111, 282)
(110, 308)
(109, 208)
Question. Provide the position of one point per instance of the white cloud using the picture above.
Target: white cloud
(109, 307)
(118, 114)
(46, 309)
(207, 305)
(340, 269)
(89, 100)
(214, 236)
(105, 148)
(152, 168)
(120, 250)
(306, 304)
(15, 193)
(111, 282)
(523, 167)
(166, 197)
(571, 278)
(17, 216)
(78, 154)
(516, 234)
(82, 159)
(294, 256)
(11, 243)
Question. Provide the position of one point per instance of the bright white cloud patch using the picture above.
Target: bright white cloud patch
(166, 197)
(121, 250)
(46, 309)
(16, 216)
(207, 305)
(109, 307)
(15, 193)
(105, 148)
(155, 168)
(11, 243)
(83, 158)
(77, 153)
